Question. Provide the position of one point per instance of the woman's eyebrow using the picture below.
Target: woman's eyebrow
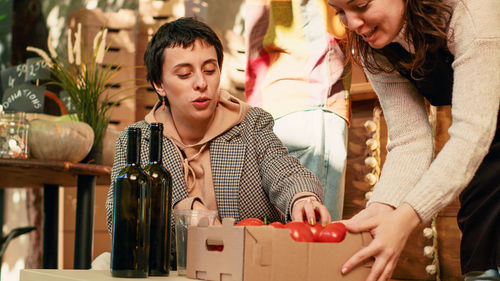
(181, 65)
(209, 61)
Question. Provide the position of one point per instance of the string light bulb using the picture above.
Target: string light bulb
(371, 162)
(429, 252)
(371, 179)
(372, 144)
(428, 233)
(368, 195)
(430, 269)
(370, 126)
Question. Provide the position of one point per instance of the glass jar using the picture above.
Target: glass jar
(13, 135)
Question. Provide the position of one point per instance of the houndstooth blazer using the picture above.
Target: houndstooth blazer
(253, 174)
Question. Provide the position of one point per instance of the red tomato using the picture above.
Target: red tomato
(299, 231)
(333, 232)
(339, 225)
(315, 230)
(277, 224)
(250, 221)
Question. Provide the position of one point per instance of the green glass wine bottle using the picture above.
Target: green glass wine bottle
(161, 200)
(131, 215)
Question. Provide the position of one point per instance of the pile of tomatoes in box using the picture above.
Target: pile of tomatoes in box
(333, 232)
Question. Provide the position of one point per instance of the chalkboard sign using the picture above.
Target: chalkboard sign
(13, 76)
(36, 69)
(70, 107)
(25, 98)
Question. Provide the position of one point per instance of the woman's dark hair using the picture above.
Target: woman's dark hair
(426, 25)
(182, 32)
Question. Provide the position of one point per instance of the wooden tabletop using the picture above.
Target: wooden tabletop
(97, 275)
(36, 173)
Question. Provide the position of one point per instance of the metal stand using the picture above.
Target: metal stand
(50, 225)
(84, 221)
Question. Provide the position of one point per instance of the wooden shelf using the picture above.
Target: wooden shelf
(36, 173)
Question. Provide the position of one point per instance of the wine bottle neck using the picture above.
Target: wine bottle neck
(134, 146)
(155, 143)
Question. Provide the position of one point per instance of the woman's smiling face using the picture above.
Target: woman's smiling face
(190, 80)
(378, 22)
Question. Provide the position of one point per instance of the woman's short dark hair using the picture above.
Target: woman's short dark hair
(182, 32)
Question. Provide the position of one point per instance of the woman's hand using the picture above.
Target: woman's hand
(308, 208)
(390, 230)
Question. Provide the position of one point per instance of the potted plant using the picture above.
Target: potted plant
(87, 82)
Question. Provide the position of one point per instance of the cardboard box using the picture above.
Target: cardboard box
(265, 253)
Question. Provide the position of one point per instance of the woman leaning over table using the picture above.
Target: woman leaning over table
(222, 153)
(447, 52)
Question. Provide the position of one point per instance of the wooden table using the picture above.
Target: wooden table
(50, 175)
(77, 275)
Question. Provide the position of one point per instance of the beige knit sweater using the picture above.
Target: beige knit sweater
(409, 173)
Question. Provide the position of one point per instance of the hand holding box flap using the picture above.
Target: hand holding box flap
(326, 259)
(366, 238)
(215, 265)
